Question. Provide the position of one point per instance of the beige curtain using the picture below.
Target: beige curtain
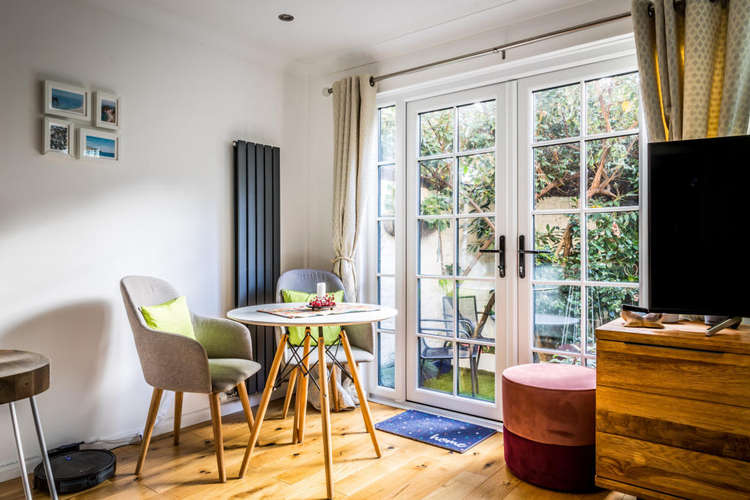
(694, 63)
(353, 165)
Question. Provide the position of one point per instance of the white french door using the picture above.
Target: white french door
(458, 208)
(554, 159)
(579, 161)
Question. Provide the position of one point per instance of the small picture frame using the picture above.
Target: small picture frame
(106, 110)
(70, 101)
(57, 136)
(97, 145)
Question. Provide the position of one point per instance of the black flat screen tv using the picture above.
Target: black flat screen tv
(698, 217)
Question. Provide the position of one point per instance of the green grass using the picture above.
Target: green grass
(444, 383)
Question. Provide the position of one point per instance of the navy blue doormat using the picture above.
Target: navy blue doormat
(439, 431)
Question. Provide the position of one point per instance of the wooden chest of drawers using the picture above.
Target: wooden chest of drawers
(673, 411)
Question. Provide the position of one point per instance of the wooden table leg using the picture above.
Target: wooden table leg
(289, 391)
(325, 415)
(360, 393)
(334, 389)
(303, 387)
(295, 427)
(264, 400)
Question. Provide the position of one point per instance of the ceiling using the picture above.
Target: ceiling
(343, 32)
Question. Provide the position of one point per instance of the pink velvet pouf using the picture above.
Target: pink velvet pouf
(548, 425)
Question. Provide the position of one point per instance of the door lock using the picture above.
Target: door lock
(522, 256)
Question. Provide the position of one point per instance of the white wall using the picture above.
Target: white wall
(70, 229)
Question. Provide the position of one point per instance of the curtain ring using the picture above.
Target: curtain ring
(650, 10)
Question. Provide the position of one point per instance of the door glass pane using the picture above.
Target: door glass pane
(387, 245)
(613, 246)
(557, 113)
(435, 306)
(476, 183)
(386, 191)
(387, 297)
(557, 172)
(387, 142)
(545, 357)
(436, 132)
(557, 318)
(604, 305)
(474, 234)
(612, 103)
(436, 246)
(436, 187)
(561, 235)
(435, 365)
(386, 360)
(476, 307)
(476, 126)
(476, 371)
(612, 172)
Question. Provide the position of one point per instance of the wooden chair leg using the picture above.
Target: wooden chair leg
(242, 391)
(363, 405)
(325, 414)
(150, 420)
(264, 400)
(289, 391)
(303, 388)
(177, 416)
(213, 400)
(335, 389)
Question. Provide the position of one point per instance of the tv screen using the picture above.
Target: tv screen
(698, 222)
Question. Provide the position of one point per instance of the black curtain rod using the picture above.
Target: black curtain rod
(499, 48)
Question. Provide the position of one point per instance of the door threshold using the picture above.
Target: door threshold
(463, 417)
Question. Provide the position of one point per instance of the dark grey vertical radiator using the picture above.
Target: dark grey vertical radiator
(257, 241)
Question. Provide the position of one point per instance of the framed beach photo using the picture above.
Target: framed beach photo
(57, 135)
(106, 110)
(97, 145)
(70, 101)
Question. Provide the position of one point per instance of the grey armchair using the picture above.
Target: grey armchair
(219, 360)
(361, 337)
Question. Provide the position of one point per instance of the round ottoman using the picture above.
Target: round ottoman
(548, 425)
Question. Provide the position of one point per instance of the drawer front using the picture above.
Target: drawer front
(713, 428)
(681, 373)
(675, 471)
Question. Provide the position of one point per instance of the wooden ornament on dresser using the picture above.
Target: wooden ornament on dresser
(673, 411)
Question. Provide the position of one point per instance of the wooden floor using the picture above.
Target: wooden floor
(407, 470)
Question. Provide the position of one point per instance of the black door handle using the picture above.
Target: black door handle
(522, 256)
(501, 257)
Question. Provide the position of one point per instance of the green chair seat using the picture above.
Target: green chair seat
(226, 373)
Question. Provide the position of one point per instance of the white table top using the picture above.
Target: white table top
(252, 315)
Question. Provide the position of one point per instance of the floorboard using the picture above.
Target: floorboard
(407, 470)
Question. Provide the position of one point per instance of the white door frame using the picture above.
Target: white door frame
(504, 94)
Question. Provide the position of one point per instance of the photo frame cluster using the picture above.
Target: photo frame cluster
(66, 102)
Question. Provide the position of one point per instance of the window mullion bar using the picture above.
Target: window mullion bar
(584, 229)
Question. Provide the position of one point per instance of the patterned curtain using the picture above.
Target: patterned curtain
(694, 62)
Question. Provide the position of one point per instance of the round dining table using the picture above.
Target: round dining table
(258, 315)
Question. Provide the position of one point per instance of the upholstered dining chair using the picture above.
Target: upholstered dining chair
(219, 360)
(361, 337)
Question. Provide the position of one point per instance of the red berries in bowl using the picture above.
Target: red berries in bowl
(325, 301)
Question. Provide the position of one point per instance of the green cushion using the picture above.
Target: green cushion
(297, 333)
(172, 316)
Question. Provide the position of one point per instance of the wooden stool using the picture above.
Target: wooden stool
(23, 375)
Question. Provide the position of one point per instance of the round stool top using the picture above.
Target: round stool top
(22, 374)
(553, 376)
